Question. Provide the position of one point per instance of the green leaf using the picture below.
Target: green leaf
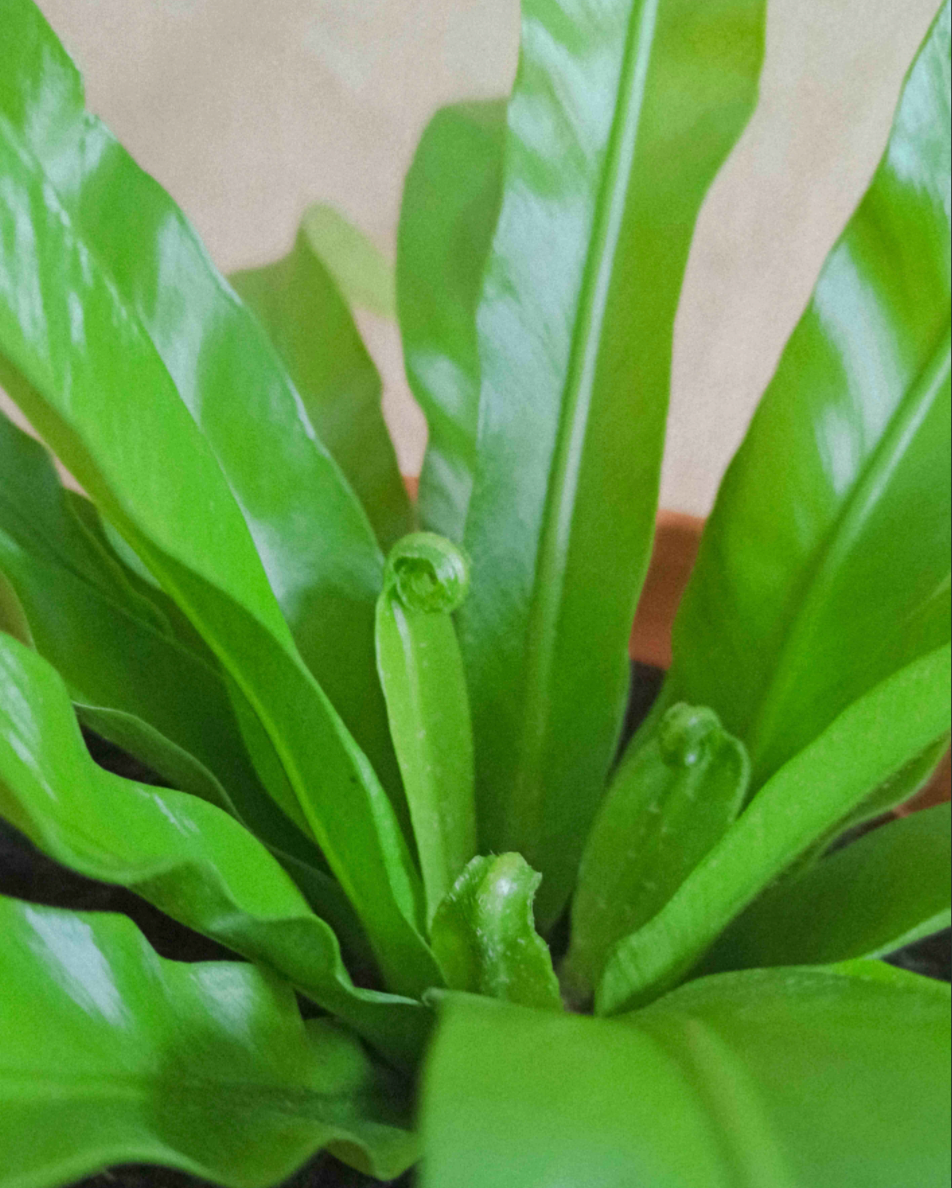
(49, 522)
(114, 638)
(136, 574)
(172, 765)
(216, 355)
(82, 392)
(12, 619)
(903, 786)
(795, 1079)
(110, 1054)
(666, 808)
(451, 201)
(312, 329)
(874, 738)
(884, 891)
(622, 114)
(183, 772)
(421, 671)
(825, 565)
(363, 277)
(185, 856)
(113, 647)
(484, 935)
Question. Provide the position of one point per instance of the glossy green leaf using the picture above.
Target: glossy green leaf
(825, 565)
(421, 671)
(174, 767)
(185, 856)
(136, 574)
(177, 769)
(795, 1079)
(105, 632)
(46, 520)
(82, 393)
(484, 935)
(113, 647)
(900, 788)
(874, 738)
(110, 1054)
(621, 116)
(877, 894)
(214, 352)
(313, 331)
(116, 649)
(666, 808)
(451, 201)
(362, 275)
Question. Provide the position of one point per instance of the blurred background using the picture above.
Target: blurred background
(248, 112)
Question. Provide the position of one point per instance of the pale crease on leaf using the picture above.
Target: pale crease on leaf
(185, 856)
(796, 1078)
(604, 177)
(110, 1054)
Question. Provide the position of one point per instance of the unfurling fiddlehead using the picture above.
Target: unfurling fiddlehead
(421, 670)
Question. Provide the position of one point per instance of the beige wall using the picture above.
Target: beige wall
(248, 111)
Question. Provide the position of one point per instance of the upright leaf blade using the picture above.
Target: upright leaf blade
(621, 116)
(825, 565)
(185, 856)
(792, 1079)
(109, 1054)
(451, 201)
(312, 329)
(219, 360)
(866, 744)
(886, 890)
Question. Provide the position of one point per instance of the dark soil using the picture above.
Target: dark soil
(321, 1172)
(27, 874)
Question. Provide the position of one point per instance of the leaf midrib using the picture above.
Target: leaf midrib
(752, 1154)
(525, 808)
(853, 517)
